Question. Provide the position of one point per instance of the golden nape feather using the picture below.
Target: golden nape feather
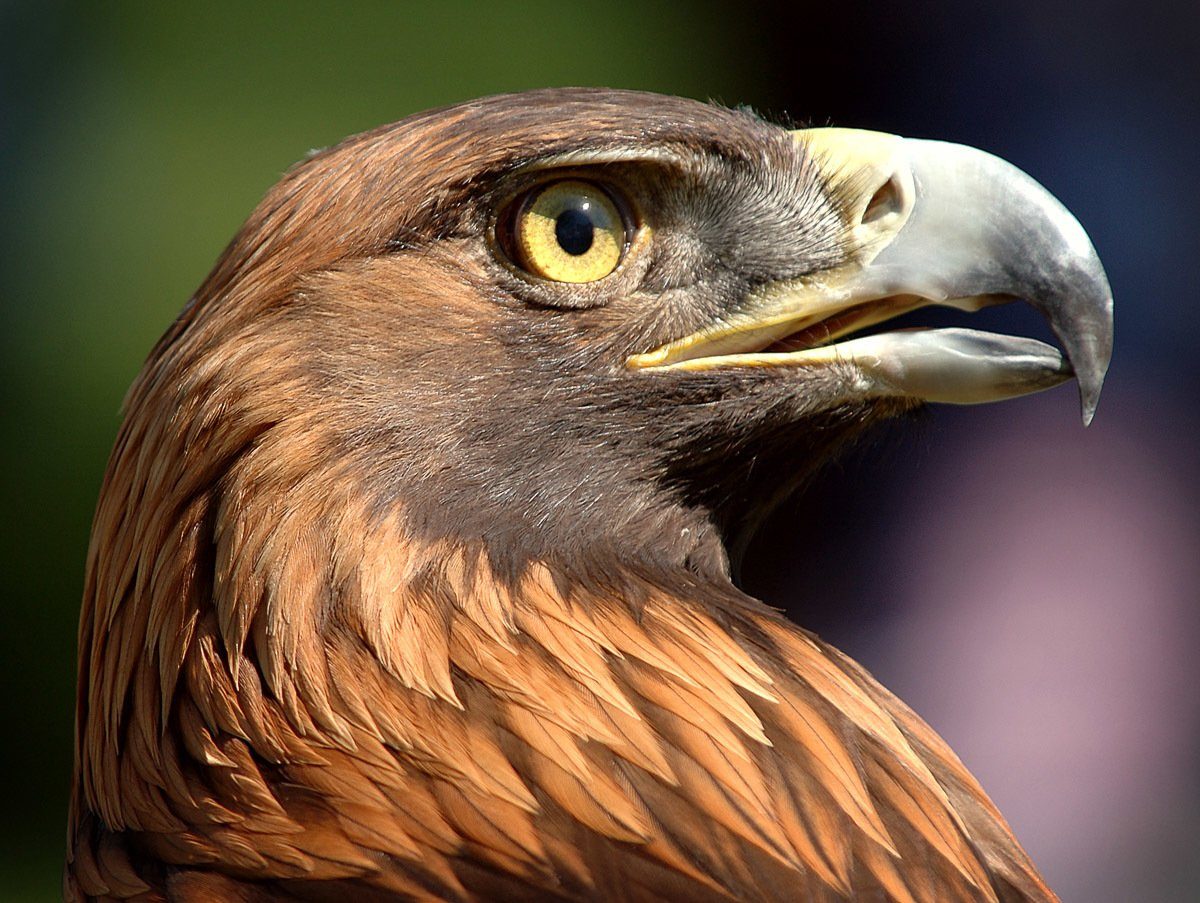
(409, 581)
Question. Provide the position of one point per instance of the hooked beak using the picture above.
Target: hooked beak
(930, 223)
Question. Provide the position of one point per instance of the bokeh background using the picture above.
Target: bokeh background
(1028, 586)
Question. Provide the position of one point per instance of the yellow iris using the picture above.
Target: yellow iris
(570, 232)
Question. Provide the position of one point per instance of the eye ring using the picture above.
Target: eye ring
(569, 230)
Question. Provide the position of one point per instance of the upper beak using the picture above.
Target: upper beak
(929, 223)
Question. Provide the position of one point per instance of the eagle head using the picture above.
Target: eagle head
(410, 568)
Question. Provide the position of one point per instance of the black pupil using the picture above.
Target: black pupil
(574, 231)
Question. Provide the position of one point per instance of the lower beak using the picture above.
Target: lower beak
(929, 223)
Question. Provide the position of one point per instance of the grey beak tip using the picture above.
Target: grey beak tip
(1083, 321)
(1095, 358)
(1089, 397)
(1091, 380)
(1090, 377)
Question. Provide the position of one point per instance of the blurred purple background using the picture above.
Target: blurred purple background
(1028, 586)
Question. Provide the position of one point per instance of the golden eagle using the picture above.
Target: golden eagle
(409, 577)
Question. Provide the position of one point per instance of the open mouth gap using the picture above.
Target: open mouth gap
(853, 319)
(904, 312)
(900, 339)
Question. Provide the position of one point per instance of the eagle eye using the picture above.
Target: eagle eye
(566, 231)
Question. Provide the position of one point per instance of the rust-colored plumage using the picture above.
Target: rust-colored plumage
(401, 587)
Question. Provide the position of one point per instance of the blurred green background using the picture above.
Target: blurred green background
(136, 136)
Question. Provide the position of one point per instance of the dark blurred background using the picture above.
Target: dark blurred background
(1028, 586)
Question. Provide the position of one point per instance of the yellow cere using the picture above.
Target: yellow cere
(570, 232)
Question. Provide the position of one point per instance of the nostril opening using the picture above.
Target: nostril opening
(885, 201)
